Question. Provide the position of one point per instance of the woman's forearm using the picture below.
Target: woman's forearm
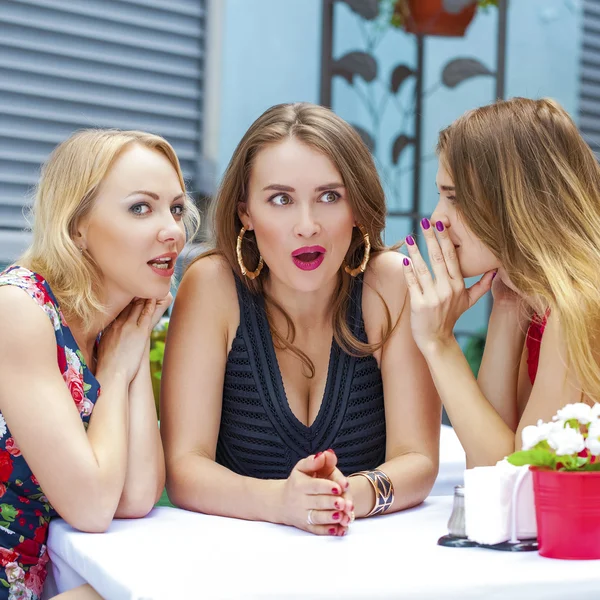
(481, 430)
(145, 477)
(499, 371)
(412, 475)
(198, 483)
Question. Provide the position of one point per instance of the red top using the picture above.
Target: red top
(533, 341)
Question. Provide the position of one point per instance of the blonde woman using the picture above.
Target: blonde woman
(520, 203)
(110, 217)
(292, 389)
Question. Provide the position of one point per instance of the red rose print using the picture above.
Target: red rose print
(29, 551)
(34, 579)
(2, 490)
(7, 556)
(62, 358)
(40, 534)
(22, 522)
(12, 448)
(23, 500)
(6, 465)
(34, 480)
(74, 382)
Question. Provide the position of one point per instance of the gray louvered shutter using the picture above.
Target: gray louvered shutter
(589, 101)
(70, 64)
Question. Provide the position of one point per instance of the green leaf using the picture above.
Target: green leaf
(538, 457)
(8, 511)
(4, 583)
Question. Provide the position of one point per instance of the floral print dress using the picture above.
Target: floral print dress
(24, 509)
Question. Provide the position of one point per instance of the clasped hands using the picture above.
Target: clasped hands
(316, 496)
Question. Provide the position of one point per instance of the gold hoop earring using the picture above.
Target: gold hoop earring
(363, 265)
(245, 271)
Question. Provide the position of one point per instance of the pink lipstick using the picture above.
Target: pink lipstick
(309, 258)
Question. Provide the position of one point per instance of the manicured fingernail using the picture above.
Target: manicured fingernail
(494, 275)
(439, 226)
(405, 262)
(335, 491)
(330, 450)
(318, 454)
(425, 223)
(410, 240)
(343, 532)
(332, 531)
(347, 485)
(336, 504)
(335, 516)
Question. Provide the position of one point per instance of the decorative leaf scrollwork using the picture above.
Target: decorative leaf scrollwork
(367, 9)
(400, 143)
(356, 63)
(461, 69)
(399, 75)
(366, 137)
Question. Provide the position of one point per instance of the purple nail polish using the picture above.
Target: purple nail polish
(405, 262)
(494, 275)
(410, 240)
(425, 224)
(439, 226)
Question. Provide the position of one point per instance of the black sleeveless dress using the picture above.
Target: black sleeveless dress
(260, 436)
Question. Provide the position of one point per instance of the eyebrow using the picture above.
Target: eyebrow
(286, 188)
(155, 196)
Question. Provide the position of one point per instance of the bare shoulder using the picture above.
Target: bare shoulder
(207, 293)
(210, 276)
(384, 278)
(21, 314)
(26, 331)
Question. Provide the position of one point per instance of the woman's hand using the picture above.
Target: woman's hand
(123, 343)
(314, 503)
(437, 302)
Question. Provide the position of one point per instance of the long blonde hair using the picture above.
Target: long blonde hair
(65, 194)
(324, 131)
(528, 186)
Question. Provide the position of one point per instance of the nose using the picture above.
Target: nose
(306, 225)
(171, 230)
(439, 214)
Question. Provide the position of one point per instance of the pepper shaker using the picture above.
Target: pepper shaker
(456, 523)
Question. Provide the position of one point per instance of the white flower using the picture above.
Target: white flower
(2, 426)
(596, 411)
(593, 439)
(580, 411)
(18, 591)
(532, 435)
(14, 572)
(73, 359)
(566, 441)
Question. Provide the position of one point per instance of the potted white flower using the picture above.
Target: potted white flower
(564, 457)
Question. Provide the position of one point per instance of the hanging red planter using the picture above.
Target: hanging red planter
(428, 17)
(567, 509)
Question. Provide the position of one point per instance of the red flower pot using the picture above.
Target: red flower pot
(428, 17)
(567, 510)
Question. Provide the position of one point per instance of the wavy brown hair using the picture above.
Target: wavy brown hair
(528, 186)
(323, 130)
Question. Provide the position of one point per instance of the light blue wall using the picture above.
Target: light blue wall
(271, 54)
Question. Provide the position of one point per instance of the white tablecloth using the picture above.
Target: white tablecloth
(176, 554)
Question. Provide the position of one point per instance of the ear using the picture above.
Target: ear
(79, 232)
(244, 215)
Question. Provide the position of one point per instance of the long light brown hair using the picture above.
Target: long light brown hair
(528, 186)
(66, 192)
(327, 133)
